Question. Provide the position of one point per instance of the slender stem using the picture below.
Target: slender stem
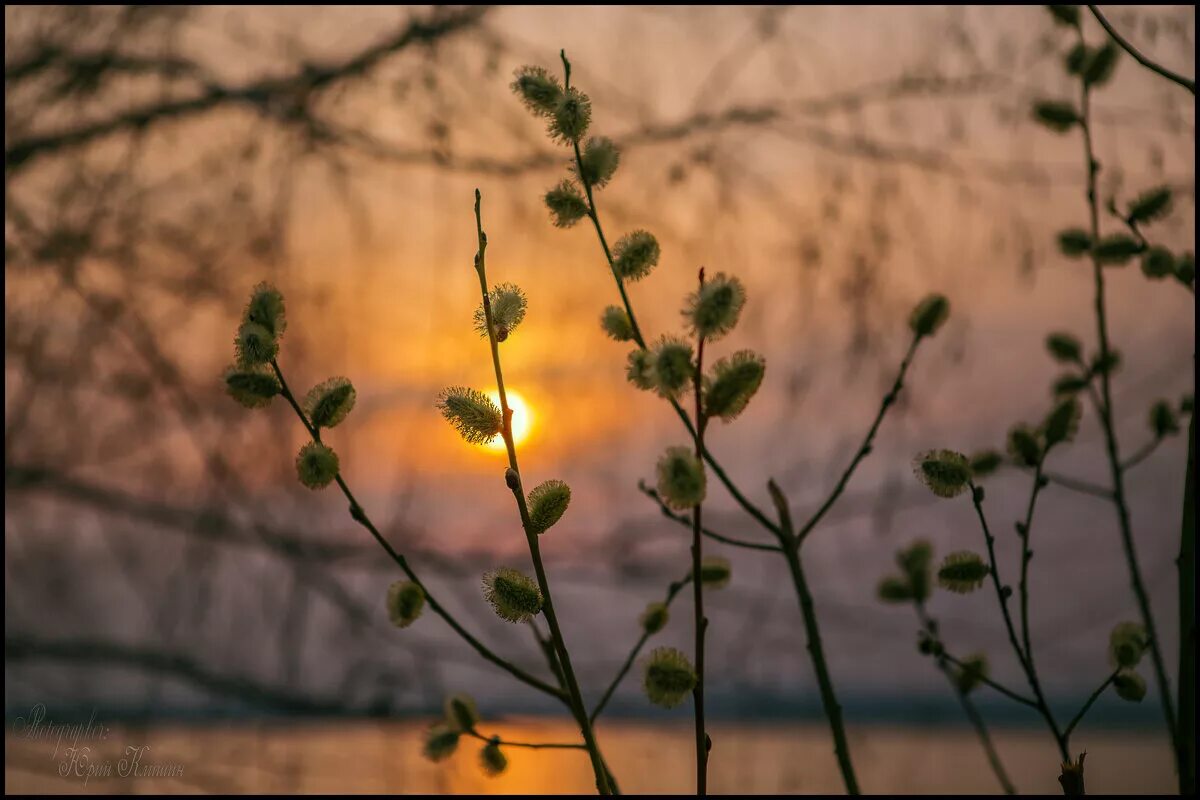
(360, 516)
(1026, 533)
(1186, 744)
(888, 400)
(701, 622)
(531, 537)
(1076, 485)
(833, 710)
(973, 715)
(999, 687)
(594, 216)
(683, 519)
(1110, 435)
(1002, 595)
(530, 745)
(1092, 699)
(1141, 454)
(672, 591)
(1138, 57)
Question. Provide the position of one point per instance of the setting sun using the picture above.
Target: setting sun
(522, 420)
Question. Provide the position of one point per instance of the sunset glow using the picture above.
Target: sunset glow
(522, 420)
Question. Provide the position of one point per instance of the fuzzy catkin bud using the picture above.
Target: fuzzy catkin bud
(1024, 445)
(1065, 15)
(1074, 242)
(547, 503)
(929, 315)
(671, 360)
(472, 413)
(972, 672)
(508, 305)
(572, 116)
(514, 597)
(1162, 419)
(639, 370)
(1126, 643)
(1151, 205)
(265, 307)
(1130, 686)
(1157, 263)
(567, 205)
(405, 602)
(713, 310)
(440, 742)
(600, 158)
(654, 618)
(715, 572)
(669, 677)
(252, 387)
(461, 713)
(255, 345)
(492, 758)
(1116, 249)
(681, 480)
(1101, 64)
(1064, 347)
(962, 572)
(1185, 269)
(945, 472)
(616, 323)
(1057, 115)
(328, 403)
(915, 561)
(985, 462)
(635, 255)
(734, 380)
(538, 90)
(1063, 421)
(316, 465)
(894, 590)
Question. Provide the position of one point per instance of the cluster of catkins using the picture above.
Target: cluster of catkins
(253, 380)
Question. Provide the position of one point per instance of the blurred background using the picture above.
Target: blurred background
(166, 573)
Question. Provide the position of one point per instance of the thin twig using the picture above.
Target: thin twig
(1138, 57)
(682, 519)
(360, 516)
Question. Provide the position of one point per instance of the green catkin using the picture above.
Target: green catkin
(513, 596)
(892, 589)
(1024, 445)
(1057, 115)
(1163, 421)
(1064, 348)
(405, 602)
(635, 255)
(547, 503)
(929, 315)
(972, 672)
(472, 413)
(639, 370)
(461, 713)
(616, 323)
(316, 465)
(1126, 644)
(572, 116)
(328, 403)
(265, 308)
(1158, 263)
(255, 345)
(566, 203)
(671, 360)
(654, 618)
(669, 677)
(252, 387)
(492, 758)
(1150, 206)
(715, 572)
(1063, 421)
(1130, 685)
(681, 480)
(962, 572)
(944, 472)
(440, 742)
(713, 310)
(508, 306)
(732, 383)
(984, 463)
(1074, 242)
(538, 90)
(600, 159)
